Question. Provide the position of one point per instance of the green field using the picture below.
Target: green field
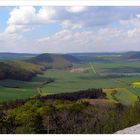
(66, 81)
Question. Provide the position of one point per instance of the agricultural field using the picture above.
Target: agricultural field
(118, 88)
(136, 84)
(115, 75)
(122, 85)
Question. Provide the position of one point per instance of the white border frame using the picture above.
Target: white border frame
(70, 137)
(70, 3)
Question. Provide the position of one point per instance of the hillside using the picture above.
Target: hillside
(57, 114)
(63, 114)
(53, 60)
(12, 67)
(18, 70)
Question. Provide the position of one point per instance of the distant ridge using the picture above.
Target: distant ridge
(46, 58)
(132, 55)
(15, 56)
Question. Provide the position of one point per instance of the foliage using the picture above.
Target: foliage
(18, 70)
(90, 93)
(68, 117)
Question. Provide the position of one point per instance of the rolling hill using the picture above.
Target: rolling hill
(27, 68)
(58, 61)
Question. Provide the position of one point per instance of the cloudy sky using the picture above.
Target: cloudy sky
(69, 29)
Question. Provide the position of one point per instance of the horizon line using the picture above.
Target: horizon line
(66, 52)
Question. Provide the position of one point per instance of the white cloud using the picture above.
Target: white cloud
(22, 15)
(84, 29)
(17, 28)
(45, 14)
(69, 24)
(76, 9)
(106, 39)
(29, 15)
(9, 42)
(5, 37)
(68, 17)
(24, 18)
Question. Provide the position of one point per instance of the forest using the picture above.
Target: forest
(42, 115)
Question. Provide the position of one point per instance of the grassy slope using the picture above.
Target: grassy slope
(125, 97)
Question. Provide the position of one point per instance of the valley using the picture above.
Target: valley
(113, 76)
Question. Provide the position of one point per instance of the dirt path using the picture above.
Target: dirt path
(92, 68)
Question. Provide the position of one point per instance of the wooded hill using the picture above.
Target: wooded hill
(50, 115)
(26, 69)
(18, 70)
(58, 61)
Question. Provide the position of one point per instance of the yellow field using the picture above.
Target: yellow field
(136, 84)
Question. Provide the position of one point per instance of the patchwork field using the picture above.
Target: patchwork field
(99, 75)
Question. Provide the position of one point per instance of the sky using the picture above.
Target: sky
(69, 29)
